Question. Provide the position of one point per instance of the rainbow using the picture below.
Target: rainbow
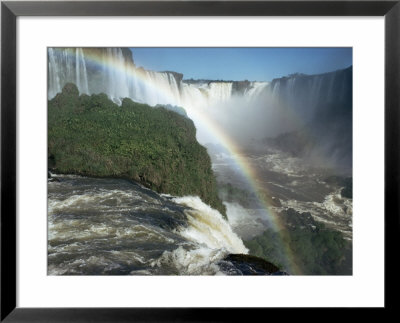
(201, 117)
(251, 176)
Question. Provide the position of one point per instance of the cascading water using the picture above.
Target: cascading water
(273, 108)
(107, 70)
(115, 227)
(116, 80)
(112, 71)
(80, 72)
(256, 89)
(92, 70)
(220, 91)
(282, 106)
(171, 235)
(305, 94)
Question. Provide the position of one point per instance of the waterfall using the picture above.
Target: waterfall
(81, 73)
(307, 95)
(100, 70)
(112, 71)
(107, 70)
(207, 226)
(53, 74)
(220, 91)
(255, 89)
(116, 78)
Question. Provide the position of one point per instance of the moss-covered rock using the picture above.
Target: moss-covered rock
(92, 136)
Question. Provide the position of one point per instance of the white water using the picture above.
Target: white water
(212, 237)
(308, 93)
(283, 105)
(335, 211)
(80, 72)
(256, 89)
(108, 225)
(199, 261)
(208, 228)
(119, 78)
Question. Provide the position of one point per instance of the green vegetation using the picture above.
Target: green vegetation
(317, 250)
(92, 136)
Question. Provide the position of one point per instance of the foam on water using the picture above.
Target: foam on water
(98, 226)
(211, 237)
(281, 163)
(199, 261)
(207, 227)
(335, 211)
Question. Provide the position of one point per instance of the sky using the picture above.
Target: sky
(253, 64)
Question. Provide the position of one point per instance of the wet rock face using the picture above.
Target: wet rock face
(239, 87)
(178, 76)
(252, 265)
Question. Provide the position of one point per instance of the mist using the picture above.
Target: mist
(247, 119)
(306, 116)
(309, 116)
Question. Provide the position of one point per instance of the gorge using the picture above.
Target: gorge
(280, 153)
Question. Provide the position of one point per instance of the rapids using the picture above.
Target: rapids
(291, 183)
(117, 227)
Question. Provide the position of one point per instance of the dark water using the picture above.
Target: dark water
(116, 227)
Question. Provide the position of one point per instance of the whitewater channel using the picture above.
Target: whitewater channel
(117, 227)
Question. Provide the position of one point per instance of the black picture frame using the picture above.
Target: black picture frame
(10, 10)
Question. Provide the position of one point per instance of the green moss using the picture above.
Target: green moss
(92, 136)
(319, 251)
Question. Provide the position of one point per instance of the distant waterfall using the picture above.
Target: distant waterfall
(92, 70)
(108, 70)
(311, 94)
(112, 71)
(256, 89)
(80, 72)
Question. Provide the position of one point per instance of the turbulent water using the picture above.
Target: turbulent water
(110, 226)
(292, 183)
(116, 227)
